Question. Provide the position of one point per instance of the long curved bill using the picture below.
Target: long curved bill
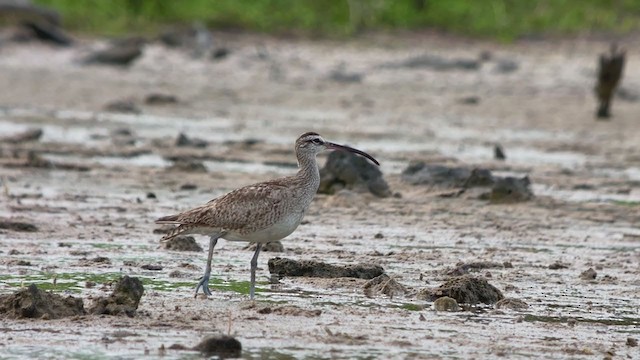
(333, 146)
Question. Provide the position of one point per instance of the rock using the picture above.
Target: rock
(512, 304)
(347, 170)
(467, 289)
(124, 106)
(558, 265)
(188, 166)
(188, 187)
(341, 75)
(463, 268)
(588, 274)
(17, 225)
(160, 99)
(27, 135)
(48, 32)
(420, 173)
(184, 141)
(384, 284)
(446, 303)
(631, 342)
(436, 63)
(220, 53)
(289, 310)
(506, 66)
(509, 190)
(152, 267)
(34, 303)
(273, 246)
(222, 346)
(183, 243)
(124, 299)
(120, 53)
(286, 267)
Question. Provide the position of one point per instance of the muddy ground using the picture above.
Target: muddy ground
(95, 181)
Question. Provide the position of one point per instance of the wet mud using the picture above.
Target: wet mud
(91, 155)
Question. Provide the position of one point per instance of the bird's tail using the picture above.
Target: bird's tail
(173, 220)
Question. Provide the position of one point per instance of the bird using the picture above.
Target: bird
(259, 213)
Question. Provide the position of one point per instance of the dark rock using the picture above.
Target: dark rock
(151, 195)
(220, 53)
(160, 99)
(123, 106)
(509, 190)
(498, 152)
(34, 303)
(347, 170)
(467, 290)
(272, 246)
(610, 70)
(124, 299)
(558, 265)
(446, 303)
(184, 141)
(469, 100)
(421, 173)
(188, 166)
(588, 274)
(464, 268)
(182, 243)
(436, 63)
(49, 32)
(341, 75)
(383, 284)
(188, 186)
(27, 135)
(286, 267)
(101, 260)
(506, 66)
(222, 346)
(512, 304)
(120, 53)
(152, 267)
(631, 342)
(17, 225)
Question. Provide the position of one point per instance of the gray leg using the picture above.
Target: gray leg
(254, 265)
(204, 282)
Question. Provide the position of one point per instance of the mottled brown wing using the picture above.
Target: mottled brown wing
(245, 210)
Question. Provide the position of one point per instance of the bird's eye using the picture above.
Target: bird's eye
(317, 141)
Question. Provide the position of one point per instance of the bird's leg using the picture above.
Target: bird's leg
(254, 265)
(204, 282)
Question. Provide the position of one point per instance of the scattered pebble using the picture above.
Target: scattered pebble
(160, 99)
(153, 267)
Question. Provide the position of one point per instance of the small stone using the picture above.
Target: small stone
(572, 321)
(446, 303)
(222, 346)
(558, 265)
(511, 304)
(151, 195)
(153, 267)
(588, 274)
(183, 243)
(188, 186)
(631, 342)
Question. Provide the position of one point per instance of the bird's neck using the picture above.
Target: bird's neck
(308, 170)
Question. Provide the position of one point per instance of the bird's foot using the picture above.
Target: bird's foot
(204, 284)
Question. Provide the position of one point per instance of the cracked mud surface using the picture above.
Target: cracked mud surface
(94, 181)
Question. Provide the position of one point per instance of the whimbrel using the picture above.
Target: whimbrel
(260, 213)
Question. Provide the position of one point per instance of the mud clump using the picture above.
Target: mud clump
(184, 141)
(124, 299)
(509, 190)
(287, 267)
(446, 303)
(183, 243)
(272, 246)
(384, 284)
(34, 303)
(465, 290)
(421, 173)
(17, 226)
(27, 135)
(222, 346)
(346, 170)
(289, 310)
(512, 304)
(588, 274)
(464, 268)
